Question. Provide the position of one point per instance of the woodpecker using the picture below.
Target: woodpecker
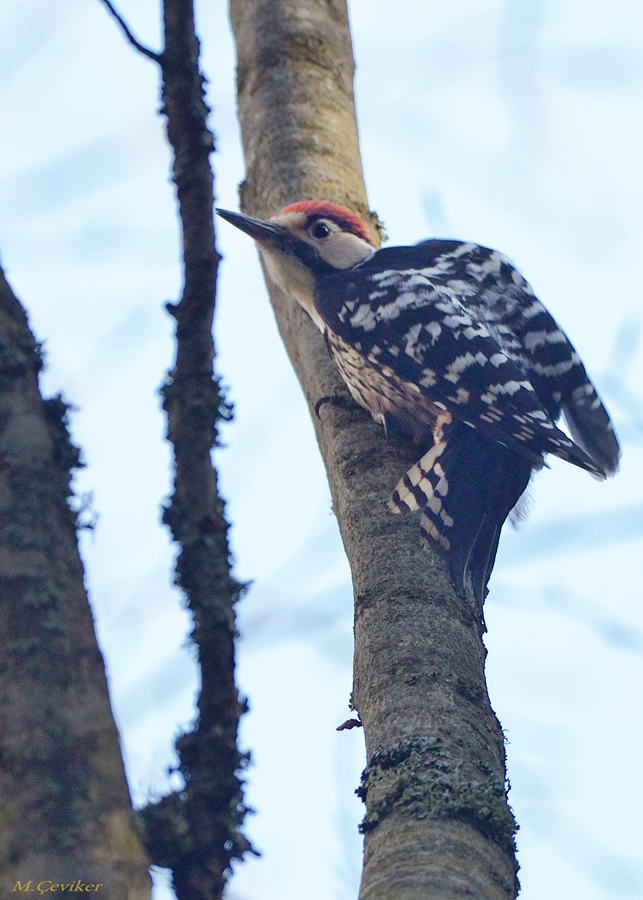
(445, 343)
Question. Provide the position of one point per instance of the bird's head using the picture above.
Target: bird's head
(305, 241)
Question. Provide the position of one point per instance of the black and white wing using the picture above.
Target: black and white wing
(506, 303)
(449, 336)
(445, 327)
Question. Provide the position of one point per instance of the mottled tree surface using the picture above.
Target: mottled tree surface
(196, 831)
(65, 806)
(437, 826)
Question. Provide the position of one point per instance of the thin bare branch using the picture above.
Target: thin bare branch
(157, 57)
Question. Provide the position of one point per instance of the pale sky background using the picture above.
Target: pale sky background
(514, 123)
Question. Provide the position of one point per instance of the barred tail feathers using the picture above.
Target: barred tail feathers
(464, 487)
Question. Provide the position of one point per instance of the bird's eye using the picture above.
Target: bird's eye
(320, 230)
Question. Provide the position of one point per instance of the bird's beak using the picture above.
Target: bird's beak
(264, 232)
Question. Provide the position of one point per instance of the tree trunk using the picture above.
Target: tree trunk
(65, 804)
(437, 823)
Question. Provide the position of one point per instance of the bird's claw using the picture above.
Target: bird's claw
(343, 400)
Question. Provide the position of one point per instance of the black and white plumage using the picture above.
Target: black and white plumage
(445, 342)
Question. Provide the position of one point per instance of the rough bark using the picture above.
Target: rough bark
(65, 812)
(437, 823)
(195, 832)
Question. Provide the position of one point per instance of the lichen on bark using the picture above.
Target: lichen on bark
(66, 811)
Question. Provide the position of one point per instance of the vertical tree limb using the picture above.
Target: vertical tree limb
(196, 831)
(438, 826)
(65, 807)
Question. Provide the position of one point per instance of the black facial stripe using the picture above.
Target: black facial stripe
(306, 254)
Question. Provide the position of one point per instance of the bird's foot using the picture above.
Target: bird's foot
(343, 400)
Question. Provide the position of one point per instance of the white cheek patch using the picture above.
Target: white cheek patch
(343, 250)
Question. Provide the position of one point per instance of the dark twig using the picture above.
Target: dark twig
(203, 821)
(196, 831)
(157, 57)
